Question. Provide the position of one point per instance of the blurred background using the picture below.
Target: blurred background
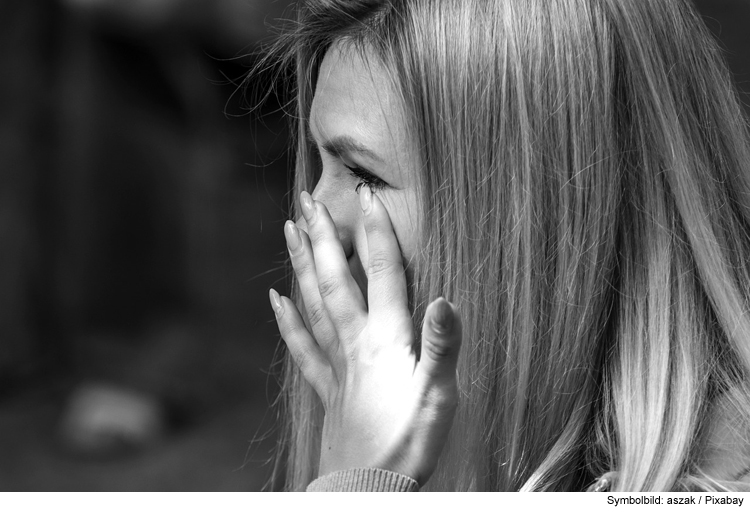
(141, 214)
(142, 196)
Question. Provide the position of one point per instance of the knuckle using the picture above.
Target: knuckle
(315, 237)
(297, 337)
(380, 264)
(303, 268)
(440, 348)
(328, 286)
(318, 235)
(441, 399)
(448, 402)
(300, 354)
(316, 314)
(345, 320)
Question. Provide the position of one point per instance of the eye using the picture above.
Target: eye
(366, 178)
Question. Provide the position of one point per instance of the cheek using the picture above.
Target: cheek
(405, 221)
(406, 234)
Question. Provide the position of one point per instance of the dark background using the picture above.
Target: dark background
(141, 209)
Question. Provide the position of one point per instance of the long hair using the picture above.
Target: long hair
(586, 206)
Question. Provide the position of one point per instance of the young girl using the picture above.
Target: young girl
(571, 175)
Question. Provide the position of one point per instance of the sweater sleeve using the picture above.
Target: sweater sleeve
(364, 479)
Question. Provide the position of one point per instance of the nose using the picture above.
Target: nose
(343, 206)
(340, 207)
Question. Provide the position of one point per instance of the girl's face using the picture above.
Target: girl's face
(358, 127)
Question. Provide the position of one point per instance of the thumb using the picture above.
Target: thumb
(441, 340)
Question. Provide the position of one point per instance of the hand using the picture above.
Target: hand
(383, 407)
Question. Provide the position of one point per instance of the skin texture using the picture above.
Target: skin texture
(383, 407)
(355, 100)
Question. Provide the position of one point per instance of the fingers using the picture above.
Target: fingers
(302, 346)
(386, 283)
(339, 292)
(303, 262)
(441, 341)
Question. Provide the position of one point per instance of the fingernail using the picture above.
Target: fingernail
(443, 316)
(365, 199)
(308, 206)
(278, 308)
(292, 236)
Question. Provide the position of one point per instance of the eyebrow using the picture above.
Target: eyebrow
(342, 144)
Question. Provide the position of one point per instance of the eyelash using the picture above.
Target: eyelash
(366, 179)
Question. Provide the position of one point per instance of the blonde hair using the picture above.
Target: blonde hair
(586, 206)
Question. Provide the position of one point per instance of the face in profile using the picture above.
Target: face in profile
(357, 125)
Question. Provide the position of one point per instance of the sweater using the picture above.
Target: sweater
(364, 479)
(375, 479)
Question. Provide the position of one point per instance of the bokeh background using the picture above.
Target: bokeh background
(143, 189)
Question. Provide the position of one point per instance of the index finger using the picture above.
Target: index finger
(386, 281)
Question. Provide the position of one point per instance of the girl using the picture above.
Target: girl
(570, 174)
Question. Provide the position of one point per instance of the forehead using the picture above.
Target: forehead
(350, 84)
(354, 97)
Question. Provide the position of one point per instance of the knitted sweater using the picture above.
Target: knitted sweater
(364, 479)
(375, 479)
